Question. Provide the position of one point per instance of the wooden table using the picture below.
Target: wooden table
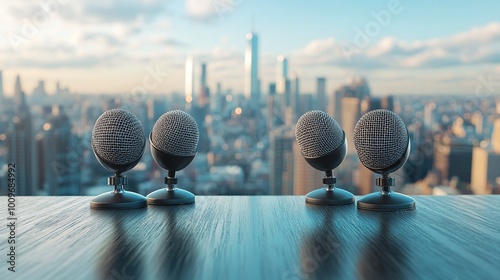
(254, 237)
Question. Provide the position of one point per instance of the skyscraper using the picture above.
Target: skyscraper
(485, 172)
(281, 161)
(305, 177)
(252, 84)
(204, 96)
(40, 90)
(21, 144)
(189, 80)
(453, 157)
(1, 85)
(321, 94)
(61, 169)
(351, 113)
(281, 75)
(485, 161)
(293, 111)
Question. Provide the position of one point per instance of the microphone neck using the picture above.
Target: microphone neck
(170, 180)
(386, 182)
(329, 180)
(118, 181)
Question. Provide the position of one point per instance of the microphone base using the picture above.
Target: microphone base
(334, 197)
(392, 201)
(173, 197)
(123, 200)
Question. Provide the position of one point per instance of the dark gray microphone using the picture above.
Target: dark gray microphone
(118, 142)
(323, 145)
(174, 142)
(383, 146)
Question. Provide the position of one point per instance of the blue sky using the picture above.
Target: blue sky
(107, 46)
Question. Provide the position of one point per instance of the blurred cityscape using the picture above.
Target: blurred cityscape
(247, 143)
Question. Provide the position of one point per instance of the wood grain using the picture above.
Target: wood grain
(255, 237)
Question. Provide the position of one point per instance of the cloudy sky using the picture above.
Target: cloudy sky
(110, 46)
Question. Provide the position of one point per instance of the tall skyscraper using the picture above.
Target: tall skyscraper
(485, 172)
(294, 100)
(204, 96)
(58, 89)
(252, 84)
(61, 173)
(346, 106)
(351, 113)
(1, 85)
(189, 80)
(321, 94)
(21, 144)
(281, 161)
(453, 157)
(495, 136)
(40, 90)
(335, 104)
(485, 161)
(305, 177)
(281, 74)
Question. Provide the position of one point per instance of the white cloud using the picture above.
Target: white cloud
(477, 46)
(204, 10)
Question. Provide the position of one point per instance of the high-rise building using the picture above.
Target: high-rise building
(346, 107)
(335, 105)
(485, 161)
(217, 100)
(1, 85)
(59, 161)
(203, 99)
(305, 177)
(294, 100)
(21, 144)
(281, 161)
(58, 89)
(453, 157)
(429, 115)
(189, 81)
(40, 90)
(485, 172)
(495, 136)
(321, 94)
(365, 179)
(252, 84)
(281, 74)
(351, 112)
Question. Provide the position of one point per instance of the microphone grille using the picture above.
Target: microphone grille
(380, 138)
(118, 137)
(176, 133)
(318, 134)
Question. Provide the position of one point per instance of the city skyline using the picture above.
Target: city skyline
(94, 47)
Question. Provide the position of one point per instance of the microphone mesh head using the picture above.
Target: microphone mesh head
(176, 133)
(380, 138)
(118, 137)
(318, 134)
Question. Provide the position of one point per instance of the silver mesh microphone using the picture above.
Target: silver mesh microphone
(323, 145)
(381, 139)
(118, 143)
(318, 134)
(118, 137)
(174, 141)
(383, 146)
(176, 133)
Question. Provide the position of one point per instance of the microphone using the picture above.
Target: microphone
(383, 145)
(174, 142)
(118, 142)
(323, 145)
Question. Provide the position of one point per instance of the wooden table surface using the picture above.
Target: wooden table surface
(255, 237)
